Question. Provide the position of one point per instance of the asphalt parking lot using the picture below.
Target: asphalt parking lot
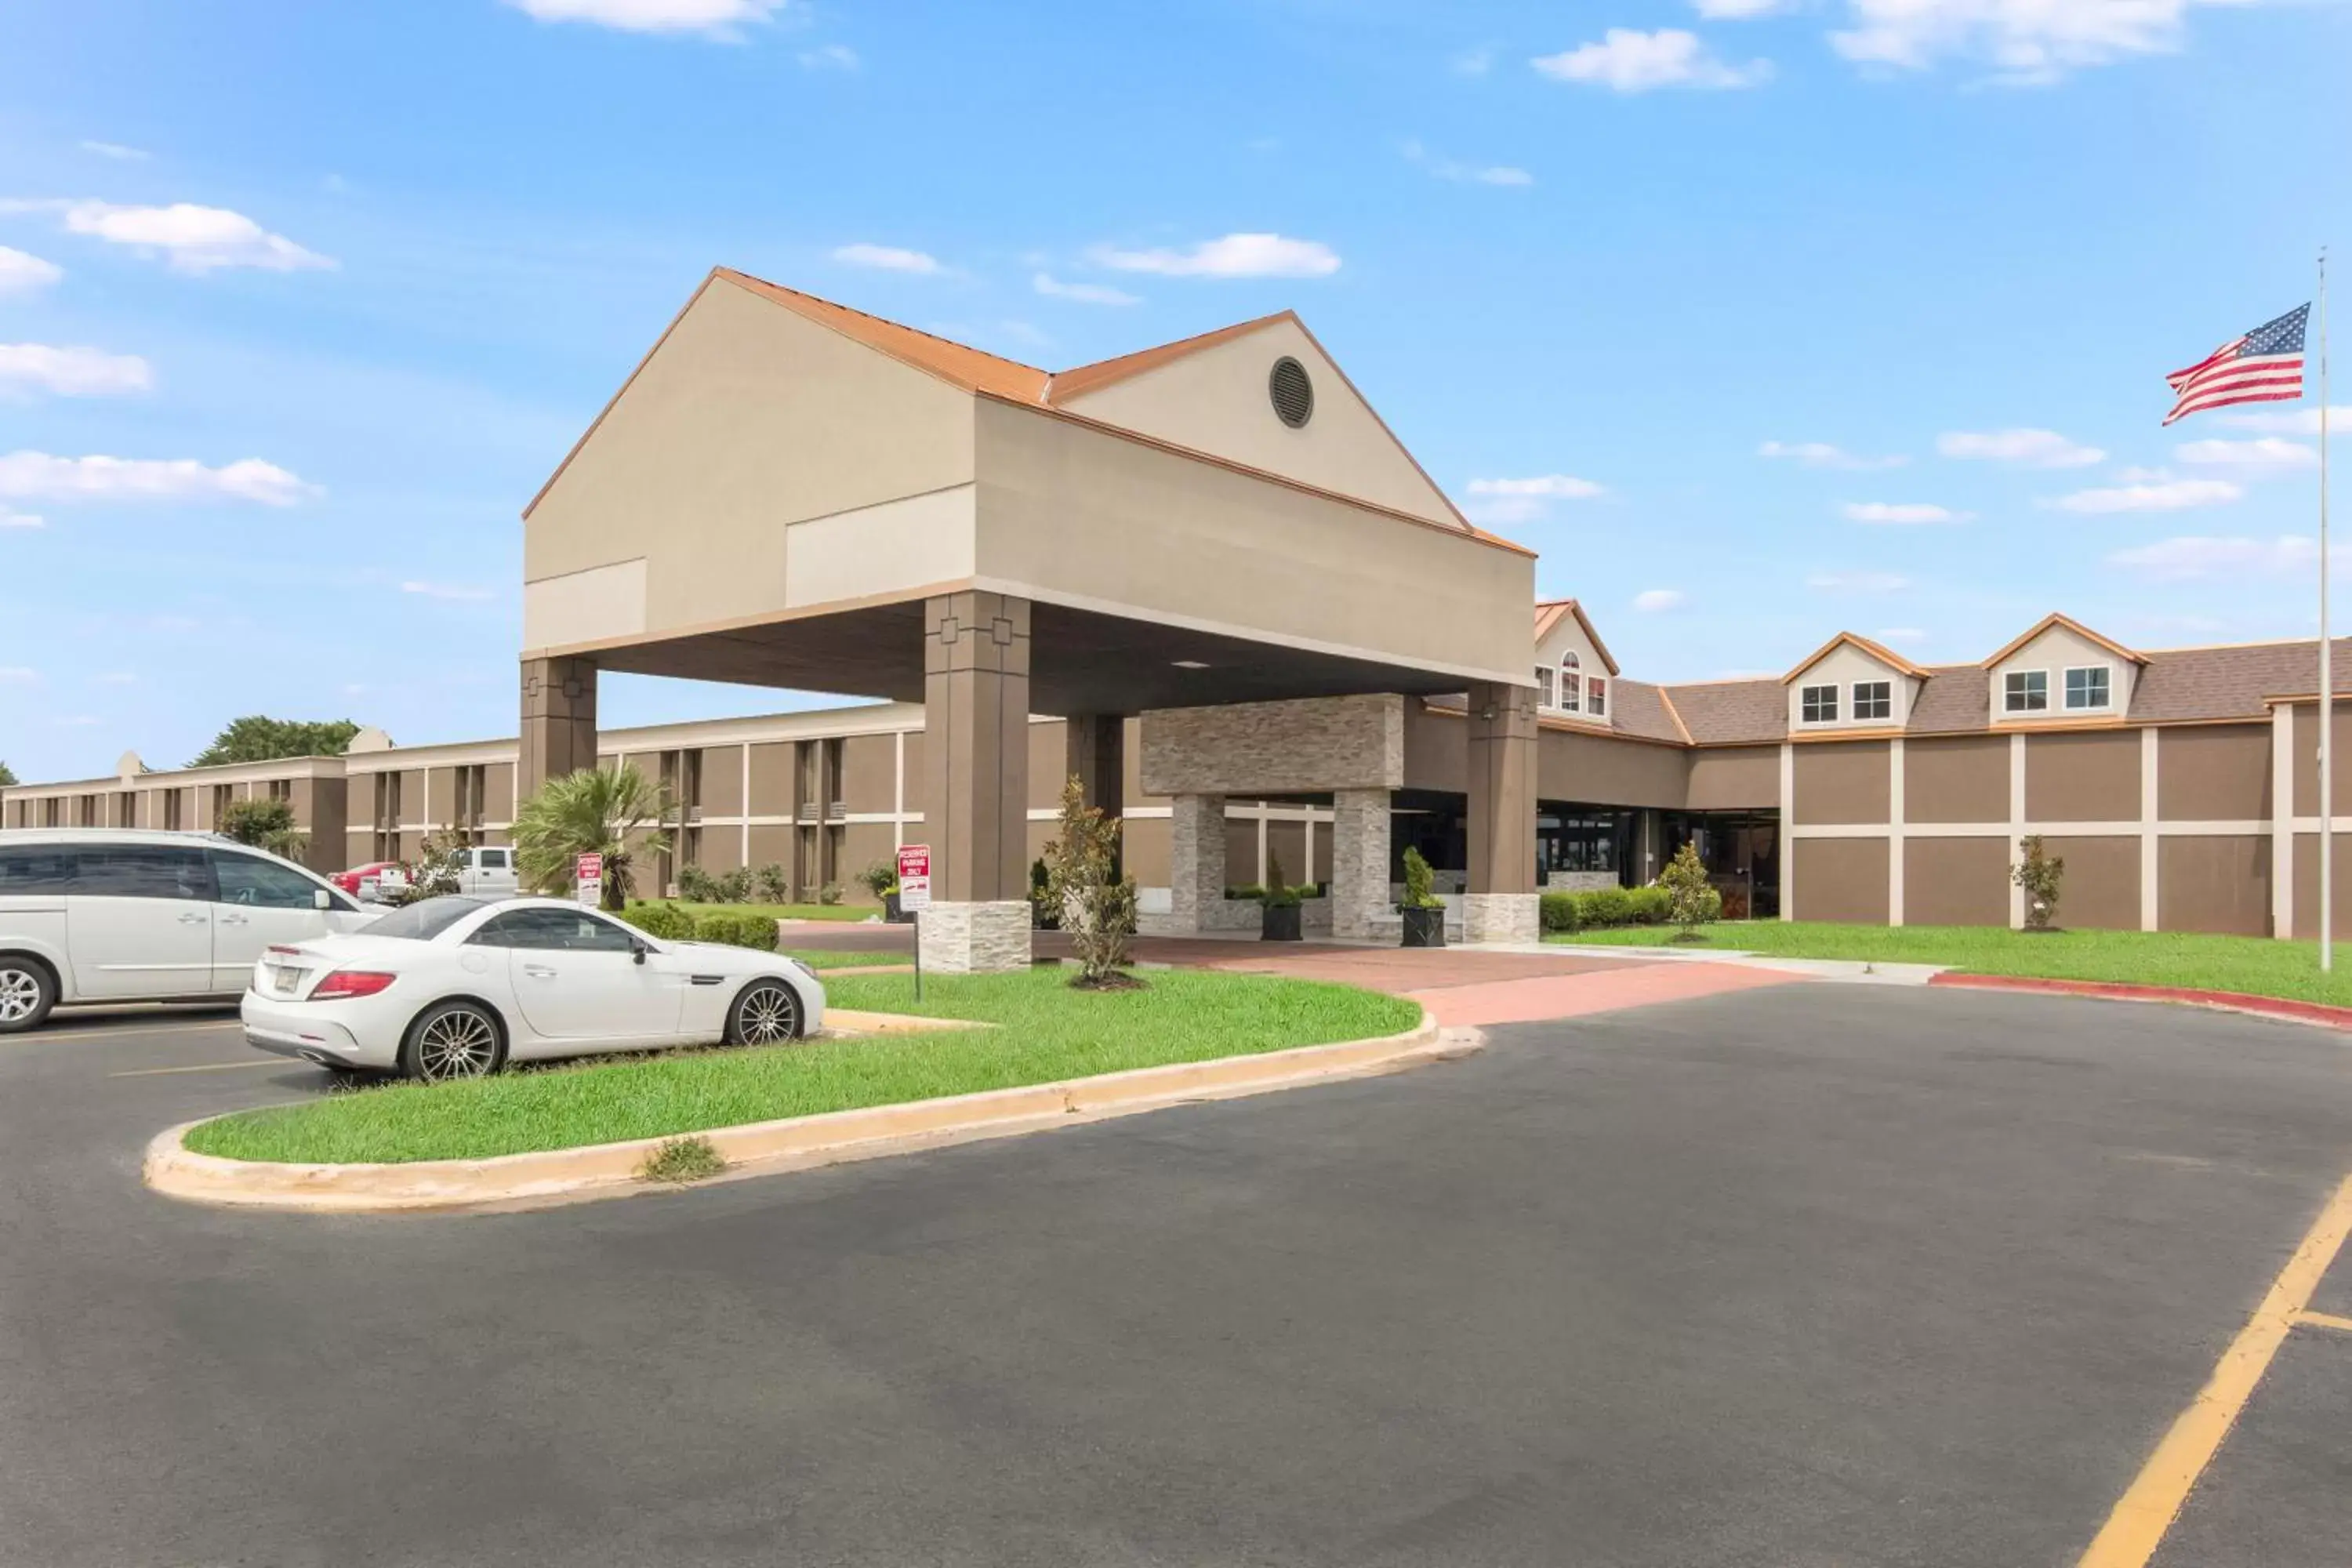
(1814, 1275)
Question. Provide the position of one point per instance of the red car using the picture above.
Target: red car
(369, 883)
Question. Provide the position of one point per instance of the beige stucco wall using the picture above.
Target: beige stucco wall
(1074, 515)
(1215, 400)
(1593, 768)
(2055, 650)
(1841, 667)
(747, 419)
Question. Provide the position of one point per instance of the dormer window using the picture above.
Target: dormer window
(1544, 686)
(1596, 698)
(1818, 705)
(2089, 686)
(1874, 700)
(2025, 692)
(1571, 684)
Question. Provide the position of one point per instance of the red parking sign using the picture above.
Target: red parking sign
(588, 879)
(914, 877)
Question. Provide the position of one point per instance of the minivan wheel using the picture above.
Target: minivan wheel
(454, 1040)
(768, 1012)
(28, 991)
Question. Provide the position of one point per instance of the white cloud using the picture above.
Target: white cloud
(2028, 43)
(1822, 455)
(191, 238)
(889, 258)
(451, 590)
(2262, 455)
(1631, 61)
(2139, 476)
(2295, 421)
(1085, 293)
(72, 371)
(1737, 10)
(18, 675)
(830, 57)
(1650, 600)
(716, 18)
(2022, 449)
(1858, 582)
(2162, 495)
(1466, 173)
(2191, 558)
(1900, 634)
(1901, 512)
(10, 518)
(1474, 62)
(118, 152)
(37, 476)
(1522, 500)
(21, 273)
(1234, 255)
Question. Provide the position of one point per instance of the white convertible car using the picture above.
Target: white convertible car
(458, 987)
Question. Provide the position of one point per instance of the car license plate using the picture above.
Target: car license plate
(282, 982)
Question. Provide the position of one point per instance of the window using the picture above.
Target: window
(259, 884)
(1874, 700)
(1818, 705)
(142, 871)
(1571, 684)
(426, 918)
(2025, 692)
(493, 859)
(36, 868)
(555, 930)
(1596, 697)
(1544, 689)
(2087, 687)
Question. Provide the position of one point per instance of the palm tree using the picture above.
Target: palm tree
(592, 812)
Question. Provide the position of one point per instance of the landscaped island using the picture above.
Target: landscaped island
(2257, 966)
(1044, 1031)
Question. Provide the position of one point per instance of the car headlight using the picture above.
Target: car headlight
(804, 968)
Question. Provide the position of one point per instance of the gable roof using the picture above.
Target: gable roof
(1549, 613)
(1879, 651)
(1064, 385)
(2056, 619)
(973, 369)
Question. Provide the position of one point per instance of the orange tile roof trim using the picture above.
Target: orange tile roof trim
(1879, 651)
(1547, 615)
(2055, 618)
(1082, 380)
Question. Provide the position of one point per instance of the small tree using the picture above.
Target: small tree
(776, 883)
(1097, 911)
(880, 879)
(438, 869)
(1279, 894)
(1691, 899)
(593, 811)
(1417, 877)
(7, 777)
(256, 737)
(2039, 874)
(266, 825)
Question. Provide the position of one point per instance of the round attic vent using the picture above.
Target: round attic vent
(1292, 393)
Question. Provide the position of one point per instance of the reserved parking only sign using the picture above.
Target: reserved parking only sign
(914, 877)
(588, 881)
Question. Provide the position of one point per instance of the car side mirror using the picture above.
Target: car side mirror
(322, 900)
(638, 950)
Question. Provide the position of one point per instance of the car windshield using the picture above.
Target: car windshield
(424, 919)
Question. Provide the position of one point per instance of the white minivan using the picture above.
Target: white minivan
(121, 915)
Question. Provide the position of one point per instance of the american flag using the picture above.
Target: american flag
(2264, 367)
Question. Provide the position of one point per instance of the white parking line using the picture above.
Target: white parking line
(201, 1066)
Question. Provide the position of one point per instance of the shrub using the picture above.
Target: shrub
(1608, 906)
(1246, 893)
(1310, 890)
(437, 870)
(1652, 905)
(1691, 899)
(776, 883)
(881, 879)
(696, 886)
(1082, 881)
(666, 922)
(688, 1159)
(1041, 913)
(1561, 911)
(730, 928)
(1417, 876)
(265, 823)
(829, 894)
(2040, 873)
(1279, 894)
(735, 886)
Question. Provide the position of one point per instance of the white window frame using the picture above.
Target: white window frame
(1854, 697)
(1812, 696)
(2107, 688)
(2008, 706)
(1571, 683)
(1596, 695)
(1545, 679)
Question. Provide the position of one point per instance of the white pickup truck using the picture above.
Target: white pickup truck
(488, 868)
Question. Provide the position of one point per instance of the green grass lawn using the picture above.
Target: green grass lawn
(776, 911)
(1046, 1031)
(2253, 964)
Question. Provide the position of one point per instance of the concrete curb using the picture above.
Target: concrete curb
(2318, 1014)
(609, 1170)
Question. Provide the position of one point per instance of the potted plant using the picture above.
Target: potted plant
(1423, 910)
(1279, 906)
(881, 879)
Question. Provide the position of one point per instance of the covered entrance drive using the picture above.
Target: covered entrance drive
(1217, 535)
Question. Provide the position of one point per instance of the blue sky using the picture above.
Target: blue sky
(1758, 320)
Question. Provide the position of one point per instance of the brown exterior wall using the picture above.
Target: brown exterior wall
(1844, 780)
(1610, 772)
(869, 772)
(1841, 878)
(2088, 777)
(1436, 750)
(862, 844)
(1954, 882)
(1734, 776)
(498, 801)
(772, 791)
(719, 849)
(2101, 892)
(1961, 778)
(1240, 853)
(2218, 773)
(1286, 842)
(1143, 850)
(2307, 885)
(2216, 884)
(1049, 763)
(722, 781)
(771, 846)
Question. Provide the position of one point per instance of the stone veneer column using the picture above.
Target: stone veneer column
(1196, 860)
(1500, 903)
(1359, 860)
(975, 785)
(558, 721)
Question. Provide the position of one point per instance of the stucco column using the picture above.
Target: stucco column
(558, 721)
(1196, 860)
(1098, 760)
(975, 786)
(1499, 903)
(1359, 860)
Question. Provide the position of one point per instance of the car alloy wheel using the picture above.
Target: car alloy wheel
(23, 996)
(767, 1014)
(453, 1043)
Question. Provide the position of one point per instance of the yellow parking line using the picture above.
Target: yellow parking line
(2324, 1321)
(2145, 1513)
(201, 1066)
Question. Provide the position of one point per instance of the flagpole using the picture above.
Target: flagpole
(2326, 669)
